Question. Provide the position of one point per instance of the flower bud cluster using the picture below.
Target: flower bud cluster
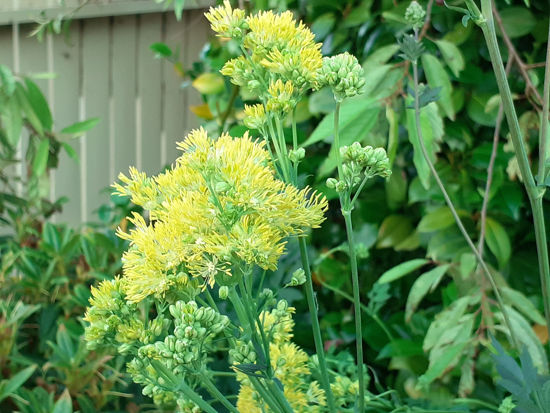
(343, 74)
(298, 278)
(227, 22)
(359, 163)
(296, 155)
(242, 353)
(255, 116)
(415, 15)
(281, 97)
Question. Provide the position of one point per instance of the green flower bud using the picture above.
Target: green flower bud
(223, 292)
(415, 15)
(297, 155)
(507, 405)
(298, 278)
(343, 74)
(331, 183)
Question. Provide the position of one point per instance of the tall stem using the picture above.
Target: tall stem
(534, 193)
(213, 390)
(543, 136)
(356, 307)
(346, 206)
(455, 213)
(312, 304)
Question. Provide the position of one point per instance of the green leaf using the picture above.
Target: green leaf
(7, 79)
(209, 83)
(161, 50)
(525, 334)
(452, 56)
(30, 115)
(65, 342)
(498, 241)
(393, 230)
(64, 404)
(70, 151)
(401, 270)
(522, 303)
(431, 126)
(322, 26)
(178, 8)
(79, 128)
(12, 121)
(476, 108)
(438, 219)
(437, 77)
(40, 160)
(351, 112)
(517, 21)
(446, 359)
(39, 104)
(379, 57)
(8, 387)
(427, 282)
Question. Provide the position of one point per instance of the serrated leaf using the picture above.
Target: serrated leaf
(40, 160)
(79, 128)
(401, 270)
(427, 282)
(209, 83)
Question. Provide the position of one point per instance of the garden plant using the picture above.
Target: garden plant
(358, 226)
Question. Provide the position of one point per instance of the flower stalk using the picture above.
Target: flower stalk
(535, 192)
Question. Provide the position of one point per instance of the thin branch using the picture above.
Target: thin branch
(427, 22)
(514, 55)
(490, 168)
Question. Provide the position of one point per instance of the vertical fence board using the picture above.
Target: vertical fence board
(149, 91)
(95, 55)
(196, 33)
(175, 101)
(66, 57)
(108, 71)
(124, 91)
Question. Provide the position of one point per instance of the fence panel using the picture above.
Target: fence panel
(107, 70)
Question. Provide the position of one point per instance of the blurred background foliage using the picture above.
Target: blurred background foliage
(429, 312)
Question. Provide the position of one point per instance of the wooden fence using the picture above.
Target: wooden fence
(107, 70)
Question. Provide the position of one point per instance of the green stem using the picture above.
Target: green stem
(543, 136)
(356, 307)
(265, 395)
(195, 397)
(456, 217)
(346, 207)
(294, 143)
(213, 390)
(312, 304)
(534, 193)
(278, 151)
(363, 307)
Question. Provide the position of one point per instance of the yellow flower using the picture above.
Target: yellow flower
(226, 21)
(220, 205)
(280, 97)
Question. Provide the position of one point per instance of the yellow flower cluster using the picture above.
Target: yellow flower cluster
(219, 208)
(290, 365)
(277, 48)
